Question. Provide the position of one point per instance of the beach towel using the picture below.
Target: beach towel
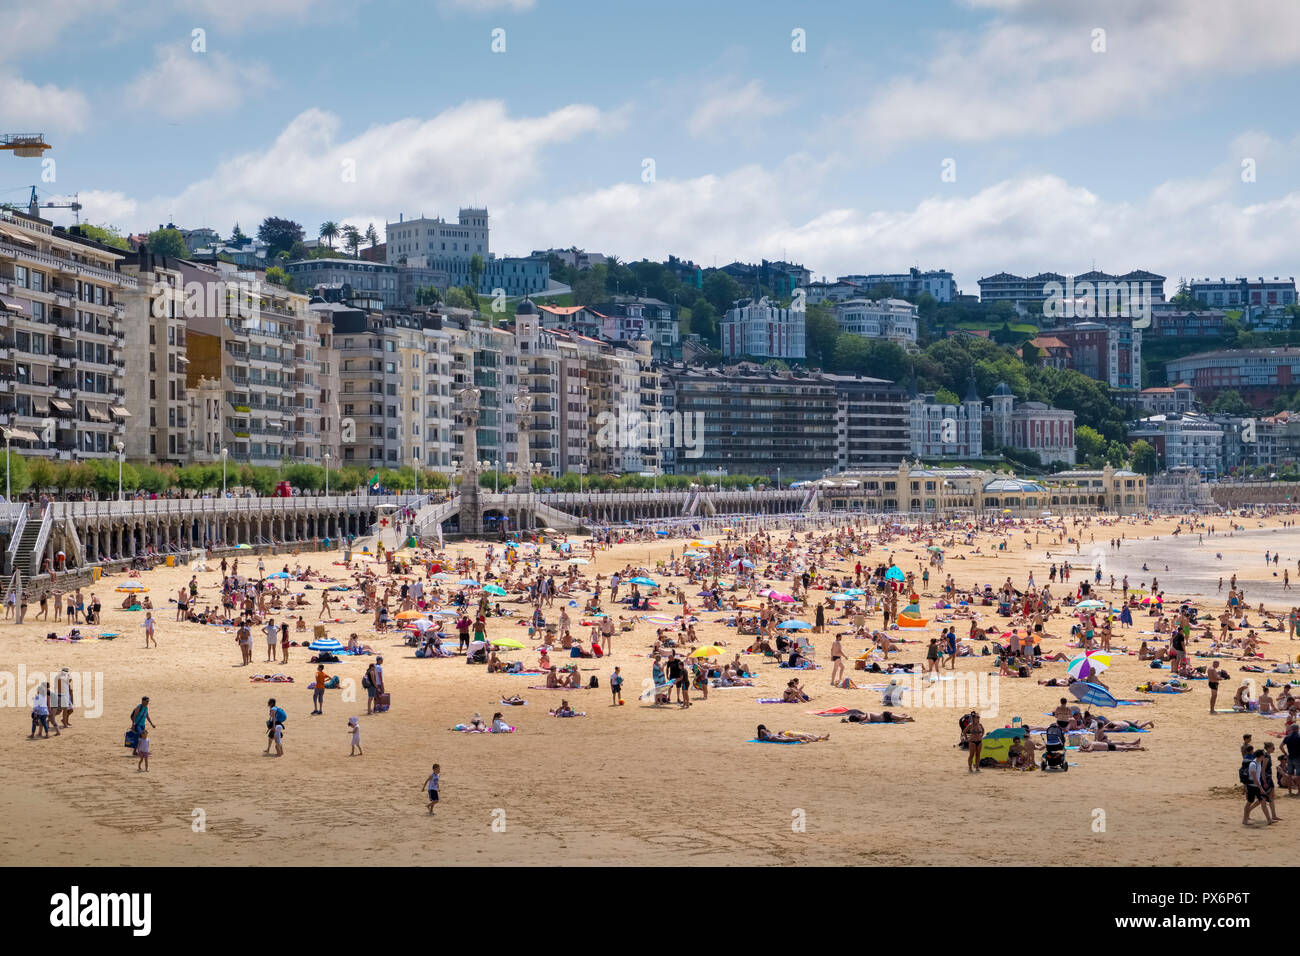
(515, 703)
(775, 700)
(755, 740)
(579, 713)
(832, 712)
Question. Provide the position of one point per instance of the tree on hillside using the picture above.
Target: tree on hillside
(108, 235)
(476, 268)
(329, 231)
(352, 239)
(279, 234)
(237, 237)
(372, 236)
(1230, 402)
(1145, 460)
(167, 242)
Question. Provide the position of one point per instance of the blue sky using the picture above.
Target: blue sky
(1065, 154)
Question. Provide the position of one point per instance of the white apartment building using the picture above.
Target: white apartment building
(892, 319)
(759, 329)
(62, 361)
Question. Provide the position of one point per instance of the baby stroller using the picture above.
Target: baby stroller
(1054, 754)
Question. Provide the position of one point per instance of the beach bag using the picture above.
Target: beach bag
(1243, 772)
(594, 682)
(280, 715)
(131, 739)
(383, 702)
(365, 679)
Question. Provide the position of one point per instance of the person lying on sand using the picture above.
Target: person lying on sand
(790, 736)
(867, 717)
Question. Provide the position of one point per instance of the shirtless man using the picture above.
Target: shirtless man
(837, 661)
(1214, 674)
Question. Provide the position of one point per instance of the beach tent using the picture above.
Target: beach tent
(911, 616)
(894, 573)
(997, 743)
(496, 589)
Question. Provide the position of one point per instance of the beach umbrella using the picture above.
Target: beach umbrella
(694, 554)
(659, 619)
(578, 561)
(325, 644)
(244, 547)
(507, 642)
(1093, 695)
(751, 605)
(711, 651)
(662, 534)
(743, 564)
(496, 589)
(130, 588)
(550, 531)
(645, 582)
(778, 596)
(1087, 665)
(894, 573)
(794, 625)
(278, 575)
(702, 543)
(410, 615)
(467, 583)
(840, 597)
(935, 547)
(1089, 605)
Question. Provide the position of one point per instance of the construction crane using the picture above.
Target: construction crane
(34, 206)
(24, 144)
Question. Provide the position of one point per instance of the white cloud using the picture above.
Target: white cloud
(1026, 225)
(727, 106)
(412, 165)
(41, 108)
(1032, 70)
(183, 84)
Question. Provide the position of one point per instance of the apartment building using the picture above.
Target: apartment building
(1241, 292)
(756, 419)
(936, 282)
(62, 364)
(758, 328)
(166, 292)
(894, 320)
(249, 339)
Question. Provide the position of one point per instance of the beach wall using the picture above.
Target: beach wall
(1239, 494)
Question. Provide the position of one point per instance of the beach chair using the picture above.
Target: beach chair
(318, 632)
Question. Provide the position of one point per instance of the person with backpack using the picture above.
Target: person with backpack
(276, 716)
(368, 682)
(140, 716)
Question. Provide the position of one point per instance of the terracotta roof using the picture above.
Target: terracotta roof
(1048, 342)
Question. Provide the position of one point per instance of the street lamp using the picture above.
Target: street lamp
(326, 458)
(120, 459)
(225, 453)
(778, 477)
(415, 464)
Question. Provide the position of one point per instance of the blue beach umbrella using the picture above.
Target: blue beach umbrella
(795, 625)
(1094, 695)
(325, 644)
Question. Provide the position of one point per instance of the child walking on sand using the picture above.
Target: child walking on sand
(432, 785)
(354, 727)
(148, 629)
(616, 686)
(142, 751)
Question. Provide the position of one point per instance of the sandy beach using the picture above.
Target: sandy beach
(636, 784)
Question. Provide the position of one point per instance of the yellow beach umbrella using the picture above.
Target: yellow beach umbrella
(130, 588)
(711, 650)
(507, 642)
(410, 615)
